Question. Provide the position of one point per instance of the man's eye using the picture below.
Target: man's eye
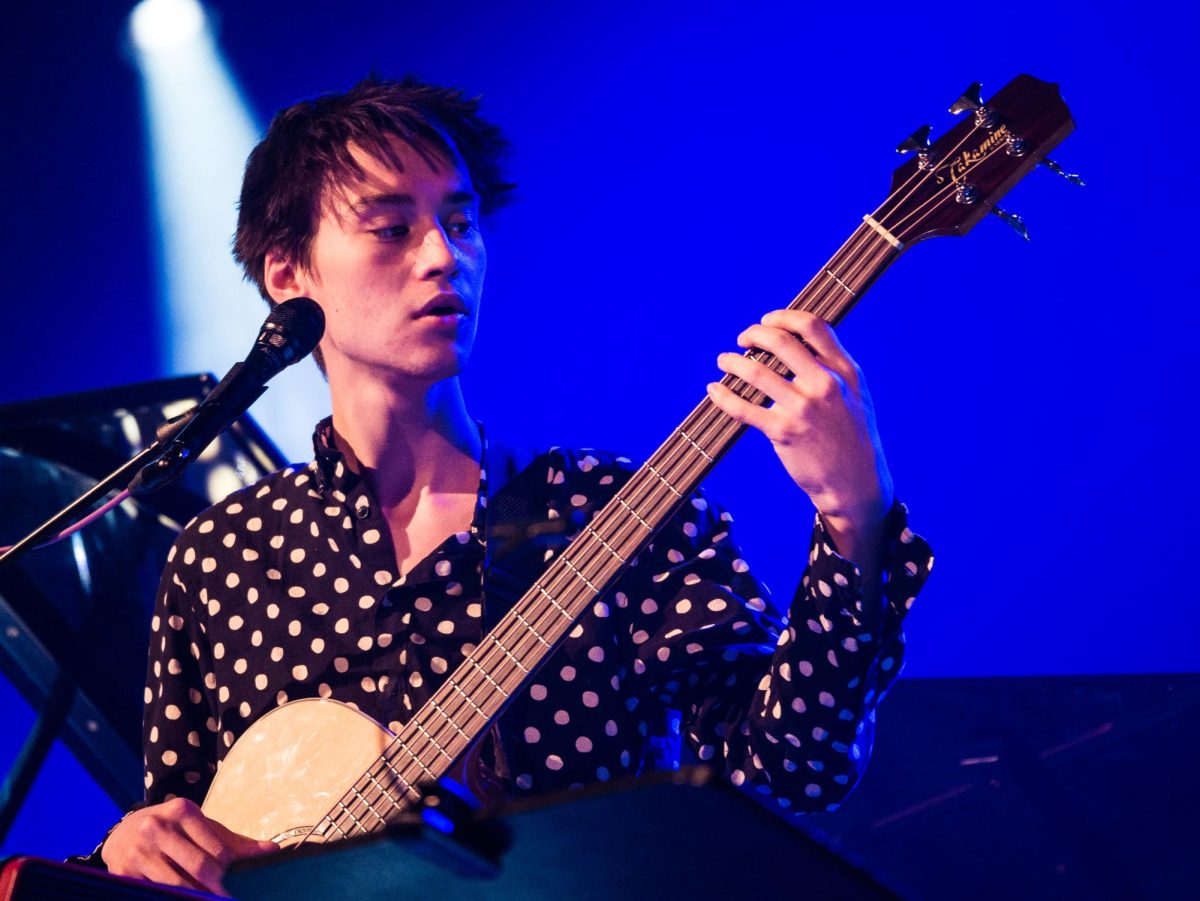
(390, 232)
(461, 226)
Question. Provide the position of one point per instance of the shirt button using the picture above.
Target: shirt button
(362, 512)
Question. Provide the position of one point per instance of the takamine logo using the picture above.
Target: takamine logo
(958, 166)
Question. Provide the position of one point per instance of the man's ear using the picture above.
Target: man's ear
(284, 279)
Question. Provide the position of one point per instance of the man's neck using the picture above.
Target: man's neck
(408, 439)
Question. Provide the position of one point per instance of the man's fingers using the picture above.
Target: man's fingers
(811, 377)
(741, 410)
(166, 853)
(175, 843)
(221, 846)
(817, 337)
(770, 383)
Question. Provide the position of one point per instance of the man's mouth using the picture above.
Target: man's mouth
(443, 305)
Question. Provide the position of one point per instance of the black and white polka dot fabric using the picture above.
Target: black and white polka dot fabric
(289, 589)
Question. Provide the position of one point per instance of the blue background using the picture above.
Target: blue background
(683, 169)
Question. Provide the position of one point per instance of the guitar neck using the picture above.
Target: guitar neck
(476, 693)
(944, 190)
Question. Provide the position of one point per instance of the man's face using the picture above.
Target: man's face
(397, 266)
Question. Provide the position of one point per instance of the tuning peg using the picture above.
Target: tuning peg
(917, 142)
(1059, 170)
(1014, 220)
(970, 100)
(985, 117)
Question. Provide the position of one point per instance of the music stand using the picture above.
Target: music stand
(678, 835)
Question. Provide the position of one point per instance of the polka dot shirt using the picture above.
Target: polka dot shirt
(289, 589)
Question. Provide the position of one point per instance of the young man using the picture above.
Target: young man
(363, 577)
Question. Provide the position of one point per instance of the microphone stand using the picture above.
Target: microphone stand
(121, 476)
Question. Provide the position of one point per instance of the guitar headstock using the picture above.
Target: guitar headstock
(950, 185)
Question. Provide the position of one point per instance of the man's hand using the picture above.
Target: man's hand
(822, 425)
(174, 843)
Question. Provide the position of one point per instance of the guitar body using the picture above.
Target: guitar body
(291, 767)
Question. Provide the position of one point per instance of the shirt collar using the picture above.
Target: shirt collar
(332, 473)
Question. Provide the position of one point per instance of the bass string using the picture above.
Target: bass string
(708, 428)
(660, 504)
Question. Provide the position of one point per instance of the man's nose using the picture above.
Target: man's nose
(436, 254)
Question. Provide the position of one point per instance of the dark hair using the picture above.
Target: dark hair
(306, 152)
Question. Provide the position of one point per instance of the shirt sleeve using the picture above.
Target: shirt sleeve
(784, 705)
(178, 743)
(180, 727)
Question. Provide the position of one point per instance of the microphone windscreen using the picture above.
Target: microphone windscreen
(292, 331)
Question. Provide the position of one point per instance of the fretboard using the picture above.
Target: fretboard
(472, 696)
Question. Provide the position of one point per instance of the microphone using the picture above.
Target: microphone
(287, 336)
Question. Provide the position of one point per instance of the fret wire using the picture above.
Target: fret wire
(583, 578)
(405, 785)
(673, 455)
(359, 796)
(664, 480)
(572, 565)
(451, 691)
(483, 661)
(382, 766)
(414, 730)
(320, 830)
(411, 746)
(596, 536)
(624, 503)
(652, 497)
(530, 629)
(487, 676)
(688, 438)
(632, 497)
(405, 745)
(539, 625)
(346, 811)
(385, 791)
(537, 586)
(817, 297)
(583, 553)
(475, 668)
(594, 590)
(452, 719)
(509, 654)
(489, 665)
(463, 739)
(421, 728)
(549, 624)
(467, 697)
(625, 536)
(478, 665)
(335, 826)
(804, 300)
(869, 255)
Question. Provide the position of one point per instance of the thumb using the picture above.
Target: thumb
(244, 845)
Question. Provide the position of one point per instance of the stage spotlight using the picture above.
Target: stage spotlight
(162, 24)
(199, 133)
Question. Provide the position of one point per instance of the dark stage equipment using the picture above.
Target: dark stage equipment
(75, 616)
